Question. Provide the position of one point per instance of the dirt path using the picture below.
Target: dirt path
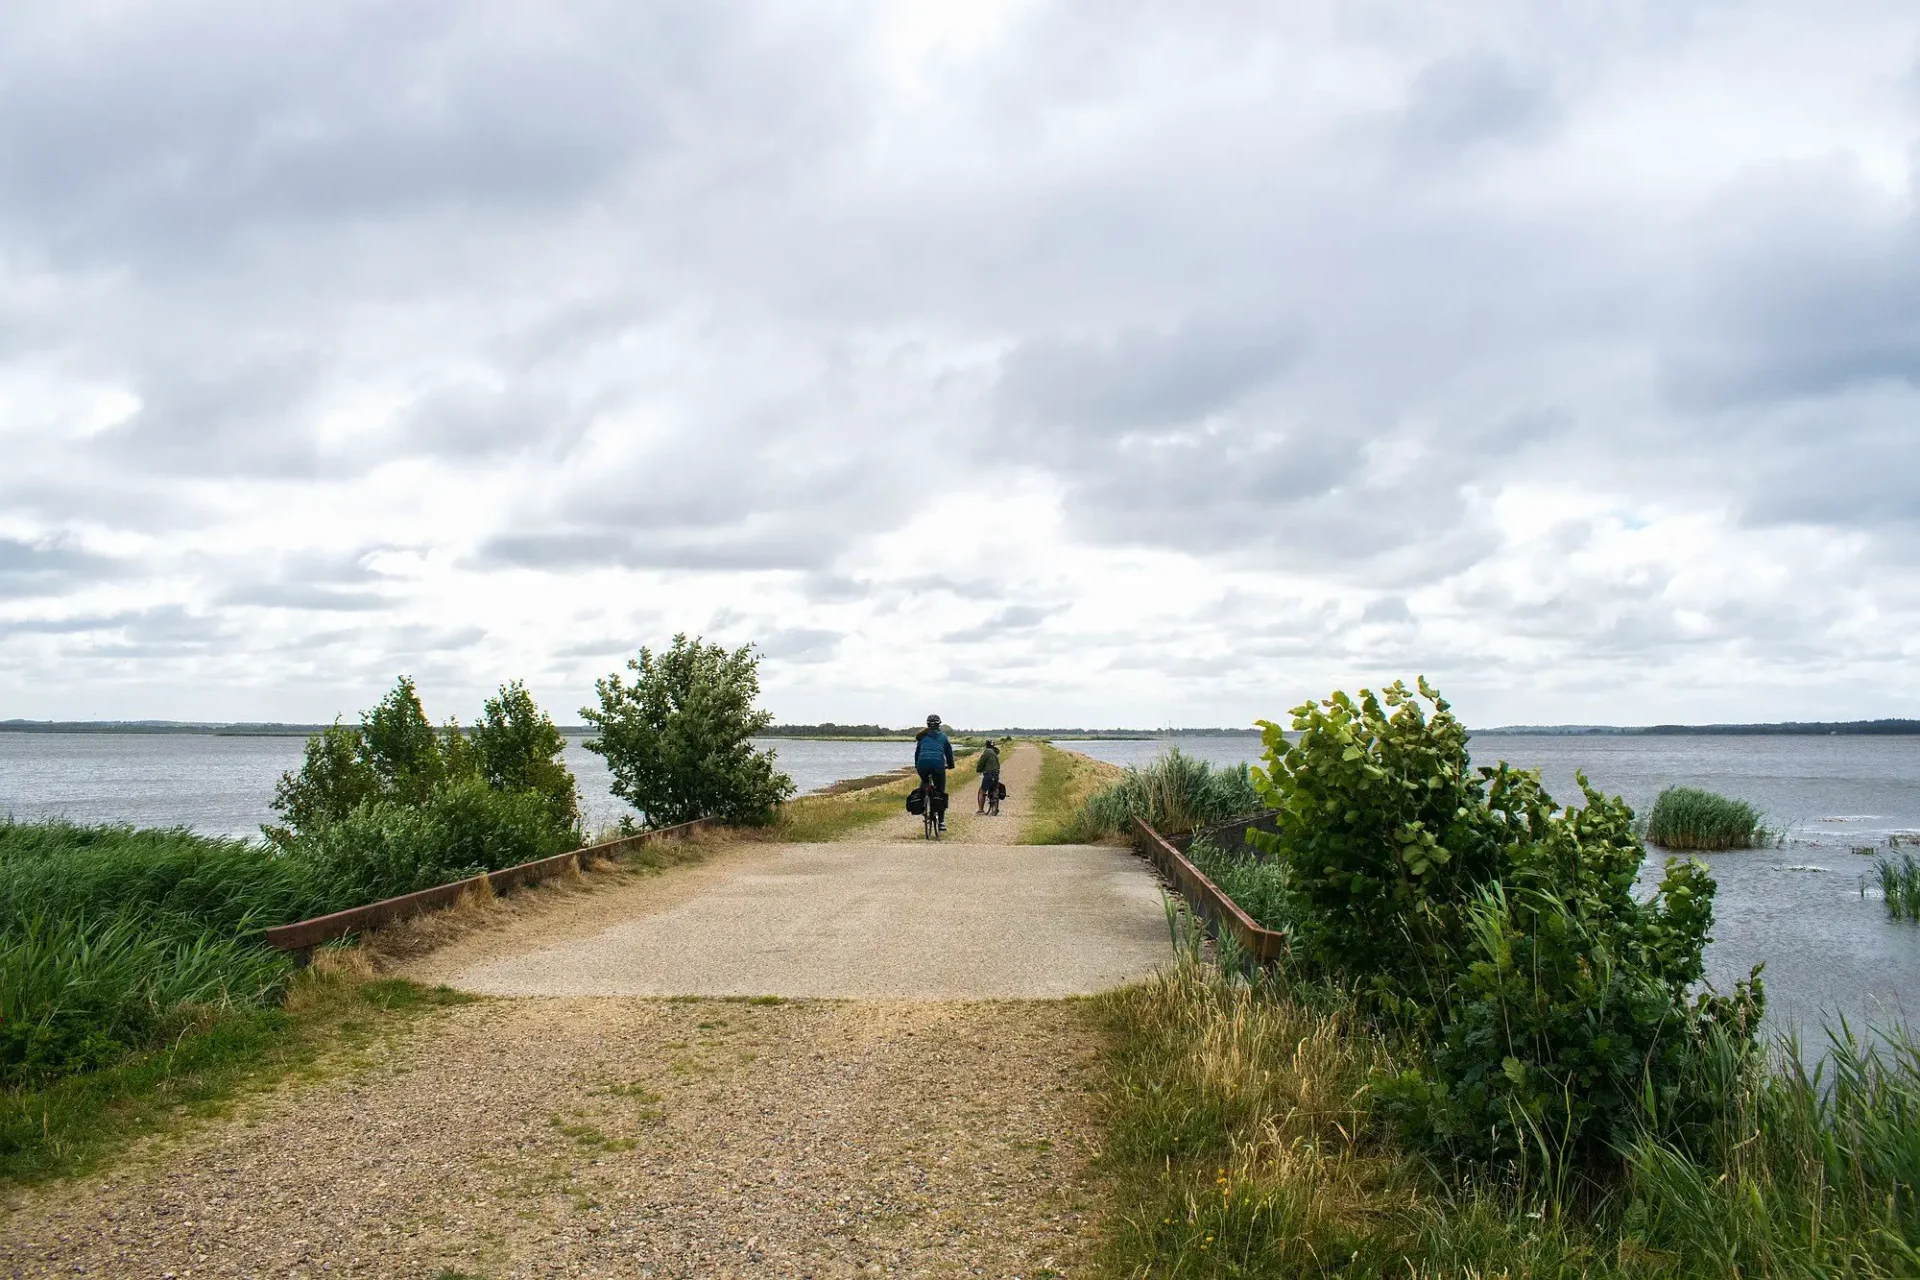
(572, 1126)
(1019, 770)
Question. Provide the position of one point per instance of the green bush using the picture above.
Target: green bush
(1688, 818)
(1176, 793)
(386, 848)
(678, 739)
(516, 747)
(1467, 907)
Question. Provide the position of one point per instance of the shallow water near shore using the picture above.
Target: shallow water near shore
(1828, 951)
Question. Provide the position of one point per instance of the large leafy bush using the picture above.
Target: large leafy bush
(1467, 906)
(678, 739)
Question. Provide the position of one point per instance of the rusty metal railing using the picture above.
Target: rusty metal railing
(303, 936)
(1205, 898)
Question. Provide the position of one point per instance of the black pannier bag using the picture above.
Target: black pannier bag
(939, 803)
(1003, 791)
(917, 801)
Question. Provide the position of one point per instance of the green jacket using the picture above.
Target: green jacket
(990, 760)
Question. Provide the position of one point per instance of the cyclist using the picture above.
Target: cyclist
(933, 756)
(989, 774)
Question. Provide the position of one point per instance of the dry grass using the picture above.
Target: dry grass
(1067, 779)
(846, 807)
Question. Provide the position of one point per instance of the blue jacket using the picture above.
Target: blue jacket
(932, 750)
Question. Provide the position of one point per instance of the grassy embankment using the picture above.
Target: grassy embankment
(1689, 819)
(1067, 779)
(847, 807)
(1244, 1140)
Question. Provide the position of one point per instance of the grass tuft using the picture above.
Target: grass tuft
(1899, 883)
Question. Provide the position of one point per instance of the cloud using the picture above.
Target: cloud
(1195, 359)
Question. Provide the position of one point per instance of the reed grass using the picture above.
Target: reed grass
(1257, 885)
(1176, 793)
(1899, 884)
(1689, 818)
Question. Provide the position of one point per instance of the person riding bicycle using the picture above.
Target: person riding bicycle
(933, 756)
(989, 774)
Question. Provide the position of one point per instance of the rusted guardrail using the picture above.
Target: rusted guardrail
(1205, 899)
(303, 936)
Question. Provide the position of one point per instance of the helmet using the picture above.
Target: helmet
(933, 722)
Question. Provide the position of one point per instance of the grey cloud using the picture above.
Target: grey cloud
(800, 644)
(306, 596)
(1469, 98)
(50, 566)
(1012, 619)
(1141, 379)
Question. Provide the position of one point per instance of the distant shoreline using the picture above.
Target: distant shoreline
(874, 733)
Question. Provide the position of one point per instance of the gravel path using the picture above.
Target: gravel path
(623, 1137)
(1019, 770)
(571, 1126)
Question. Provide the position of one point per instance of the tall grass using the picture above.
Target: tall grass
(1175, 793)
(1899, 885)
(1690, 818)
(1243, 1140)
(1258, 885)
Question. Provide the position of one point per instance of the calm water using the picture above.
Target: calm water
(222, 786)
(1798, 908)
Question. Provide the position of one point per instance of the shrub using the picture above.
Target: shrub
(1175, 793)
(678, 739)
(386, 848)
(517, 748)
(1468, 907)
(1688, 818)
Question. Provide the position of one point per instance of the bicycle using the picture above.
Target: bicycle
(993, 800)
(936, 801)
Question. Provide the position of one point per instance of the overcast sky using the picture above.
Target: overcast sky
(1038, 363)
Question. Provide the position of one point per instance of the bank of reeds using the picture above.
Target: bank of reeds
(1257, 884)
(1899, 883)
(1176, 793)
(1688, 818)
(1243, 1141)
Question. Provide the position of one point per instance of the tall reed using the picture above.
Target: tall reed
(1689, 818)
(1899, 885)
(1174, 793)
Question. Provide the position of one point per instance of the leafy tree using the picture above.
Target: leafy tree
(334, 778)
(677, 739)
(516, 746)
(402, 745)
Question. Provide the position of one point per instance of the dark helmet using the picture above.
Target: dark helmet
(933, 722)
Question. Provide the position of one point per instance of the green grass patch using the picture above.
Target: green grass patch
(1257, 885)
(1689, 818)
(71, 1125)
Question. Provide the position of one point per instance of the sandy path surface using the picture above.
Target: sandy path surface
(622, 1137)
(1019, 770)
(871, 921)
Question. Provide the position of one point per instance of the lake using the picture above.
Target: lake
(1798, 908)
(223, 785)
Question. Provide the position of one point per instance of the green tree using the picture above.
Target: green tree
(678, 738)
(516, 746)
(333, 779)
(402, 745)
